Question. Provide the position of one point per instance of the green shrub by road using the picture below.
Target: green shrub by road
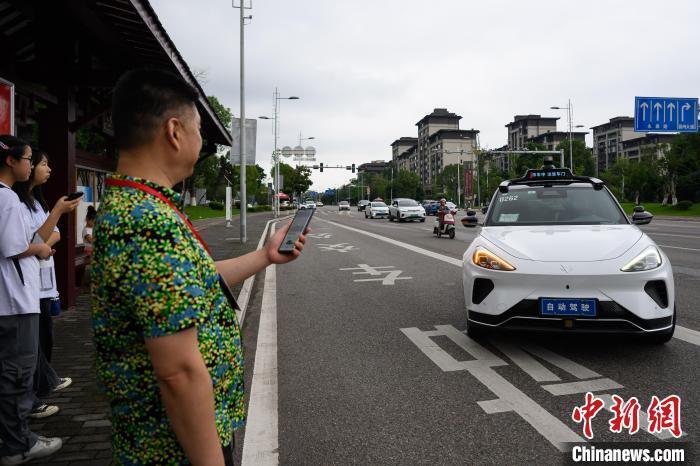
(658, 209)
(199, 212)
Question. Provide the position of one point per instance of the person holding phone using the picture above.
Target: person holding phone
(19, 311)
(42, 225)
(167, 339)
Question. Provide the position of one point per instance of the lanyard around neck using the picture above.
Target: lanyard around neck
(159, 195)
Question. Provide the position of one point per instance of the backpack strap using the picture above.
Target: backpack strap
(15, 260)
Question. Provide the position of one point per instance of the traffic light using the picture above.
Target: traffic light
(321, 166)
(353, 168)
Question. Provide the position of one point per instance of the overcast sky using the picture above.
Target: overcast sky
(367, 71)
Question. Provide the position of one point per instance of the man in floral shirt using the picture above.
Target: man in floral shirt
(168, 343)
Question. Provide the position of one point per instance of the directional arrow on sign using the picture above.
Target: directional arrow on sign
(644, 107)
(683, 109)
(657, 107)
(672, 107)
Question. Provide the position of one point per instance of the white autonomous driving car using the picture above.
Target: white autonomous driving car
(556, 252)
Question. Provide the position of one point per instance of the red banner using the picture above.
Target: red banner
(468, 182)
(6, 107)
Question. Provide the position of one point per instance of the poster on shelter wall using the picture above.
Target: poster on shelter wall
(7, 107)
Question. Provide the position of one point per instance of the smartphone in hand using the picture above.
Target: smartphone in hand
(298, 227)
(74, 196)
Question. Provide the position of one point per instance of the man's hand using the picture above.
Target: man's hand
(272, 246)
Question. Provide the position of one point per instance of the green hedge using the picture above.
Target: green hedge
(684, 205)
(216, 205)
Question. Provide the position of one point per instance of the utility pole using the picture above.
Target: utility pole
(244, 198)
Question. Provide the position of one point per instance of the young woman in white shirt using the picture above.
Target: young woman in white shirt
(19, 312)
(42, 226)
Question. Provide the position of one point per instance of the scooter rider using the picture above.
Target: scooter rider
(441, 212)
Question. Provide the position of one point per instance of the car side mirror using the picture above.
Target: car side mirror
(639, 208)
(641, 218)
(470, 220)
(484, 209)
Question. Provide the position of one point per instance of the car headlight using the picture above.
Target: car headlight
(649, 259)
(488, 260)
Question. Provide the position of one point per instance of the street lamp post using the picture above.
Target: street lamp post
(569, 114)
(275, 154)
(244, 202)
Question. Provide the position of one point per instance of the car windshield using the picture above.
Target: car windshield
(555, 205)
(407, 203)
(343, 203)
(378, 204)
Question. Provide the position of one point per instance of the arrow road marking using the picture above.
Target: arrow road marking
(644, 107)
(319, 235)
(685, 107)
(672, 107)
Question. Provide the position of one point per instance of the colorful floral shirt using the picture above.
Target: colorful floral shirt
(151, 278)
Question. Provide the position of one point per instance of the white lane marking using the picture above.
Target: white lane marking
(340, 247)
(244, 295)
(509, 398)
(410, 247)
(526, 362)
(677, 247)
(570, 388)
(573, 368)
(319, 235)
(389, 279)
(261, 442)
(687, 335)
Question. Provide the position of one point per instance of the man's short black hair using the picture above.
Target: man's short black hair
(141, 98)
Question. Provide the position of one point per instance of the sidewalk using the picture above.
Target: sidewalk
(83, 419)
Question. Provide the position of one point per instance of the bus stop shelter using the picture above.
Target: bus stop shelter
(63, 59)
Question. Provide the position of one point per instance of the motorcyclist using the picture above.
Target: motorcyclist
(441, 212)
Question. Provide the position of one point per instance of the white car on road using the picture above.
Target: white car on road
(406, 209)
(557, 253)
(376, 210)
(343, 205)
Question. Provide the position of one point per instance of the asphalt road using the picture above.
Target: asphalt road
(373, 367)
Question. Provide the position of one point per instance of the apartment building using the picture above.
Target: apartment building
(552, 139)
(439, 119)
(609, 138)
(524, 127)
(659, 144)
(408, 160)
(400, 146)
(451, 147)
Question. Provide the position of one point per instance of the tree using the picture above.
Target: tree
(224, 113)
(296, 181)
(407, 184)
(645, 181)
(301, 180)
(681, 168)
(584, 163)
(614, 177)
(448, 182)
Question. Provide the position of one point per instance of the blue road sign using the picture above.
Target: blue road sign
(665, 114)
